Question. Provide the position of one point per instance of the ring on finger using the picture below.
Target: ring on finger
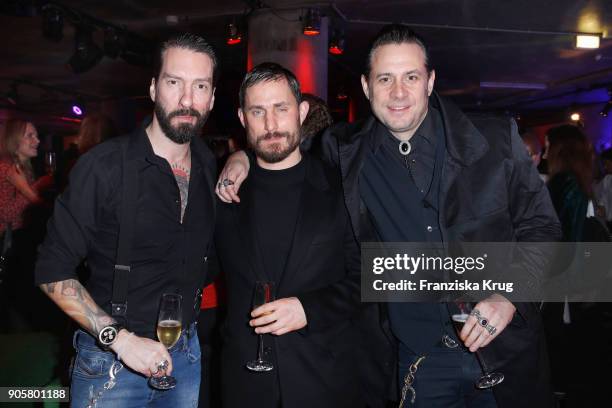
(162, 365)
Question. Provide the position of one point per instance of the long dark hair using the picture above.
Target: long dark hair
(569, 151)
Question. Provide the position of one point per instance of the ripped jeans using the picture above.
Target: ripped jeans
(91, 371)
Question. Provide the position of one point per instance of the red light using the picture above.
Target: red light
(311, 31)
(234, 40)
(334, 49)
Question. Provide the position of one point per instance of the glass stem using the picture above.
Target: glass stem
(261, 347)
(485, 370)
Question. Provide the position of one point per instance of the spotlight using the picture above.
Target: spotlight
(312, 22)
(77, 110)
(587, 41)
(53, 24)
(336, 45)
(114, 41)
(86, 52)
(233, 34)
(575, 116)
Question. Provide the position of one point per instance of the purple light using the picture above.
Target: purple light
(76, 110)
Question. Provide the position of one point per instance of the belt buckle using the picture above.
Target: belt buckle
(449, 342)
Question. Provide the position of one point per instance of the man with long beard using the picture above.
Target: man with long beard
(291, 229)
(140, 210)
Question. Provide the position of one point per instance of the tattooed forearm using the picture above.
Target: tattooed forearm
(76, 302)
(48, 288)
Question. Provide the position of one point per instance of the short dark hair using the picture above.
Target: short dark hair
(396, 34)
(190, 42)
(269, 71)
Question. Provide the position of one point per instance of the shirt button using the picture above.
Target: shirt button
(429, 228)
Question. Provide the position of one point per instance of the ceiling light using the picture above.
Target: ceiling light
(233, 34)
(587, 41)
(86, 52)
(311, 22)
(53, 24)
(575, 116)
(336, 44)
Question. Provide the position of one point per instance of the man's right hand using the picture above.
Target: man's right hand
(141, 354)
(236, 170)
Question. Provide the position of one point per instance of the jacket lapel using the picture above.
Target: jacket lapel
(313, 203)
(465, 145)
(351, 155)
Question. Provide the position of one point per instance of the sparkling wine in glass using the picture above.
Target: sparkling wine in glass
(50, 163)
(264, 293)
(169, 325)
(459, 317)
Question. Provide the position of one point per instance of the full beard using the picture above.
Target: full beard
(276, 152)
(184, 132)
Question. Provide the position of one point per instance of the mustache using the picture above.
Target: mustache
(184, 112)
(271, 135)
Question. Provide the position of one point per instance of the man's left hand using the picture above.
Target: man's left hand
(279, 317)
(498, 311)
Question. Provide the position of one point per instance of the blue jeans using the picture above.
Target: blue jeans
(92, 366)
(445, 379)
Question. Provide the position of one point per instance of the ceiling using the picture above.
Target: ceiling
(469, 48)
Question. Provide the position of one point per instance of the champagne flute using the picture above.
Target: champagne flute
(264, 293)
(488, 379)
(50, 163)
(169, 325)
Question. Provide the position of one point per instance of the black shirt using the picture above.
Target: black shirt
(396, 187)
(167, 256)
(401, 194)
(276, 199)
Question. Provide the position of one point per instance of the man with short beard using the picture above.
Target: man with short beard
(140, 210)
(290, 228)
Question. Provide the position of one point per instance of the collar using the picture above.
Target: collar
(141, 150)
(425, 132)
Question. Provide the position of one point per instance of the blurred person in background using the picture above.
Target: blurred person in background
(319, 118)
(20, 193)
(570, 169)
(534, 150)
(602, 189)
(94, 129)
(576, 327)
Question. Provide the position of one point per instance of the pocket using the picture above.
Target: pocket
(92, 364)
(194, 352)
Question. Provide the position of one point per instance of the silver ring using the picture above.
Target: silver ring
(162, 365)
(483, 321)
(491, 329)
(226, 182)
